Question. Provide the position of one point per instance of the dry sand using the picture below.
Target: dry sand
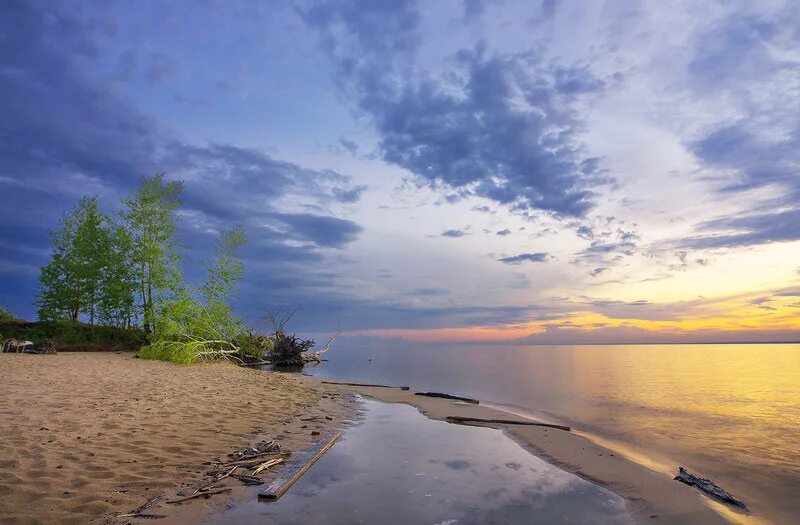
(84, 436)
(652, 496)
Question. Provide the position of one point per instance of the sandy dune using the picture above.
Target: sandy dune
(87, 435)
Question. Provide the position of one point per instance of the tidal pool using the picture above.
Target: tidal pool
(397, 466)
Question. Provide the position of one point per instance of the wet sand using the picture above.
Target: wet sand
(652, 496)
(86, 436)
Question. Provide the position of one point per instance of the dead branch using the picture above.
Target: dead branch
(201, 494)
(267, 464)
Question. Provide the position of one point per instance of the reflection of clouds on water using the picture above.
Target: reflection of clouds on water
(400, 467)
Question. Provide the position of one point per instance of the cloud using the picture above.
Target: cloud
(525, 257)
(597, 271)
(747, 230)
(503, 233)
(453, 234)
(498, 126)
(69, 131)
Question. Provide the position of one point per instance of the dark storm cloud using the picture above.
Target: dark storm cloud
(525, 257)
(499, 127)
(66, 130)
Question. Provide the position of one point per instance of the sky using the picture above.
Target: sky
(550, 171)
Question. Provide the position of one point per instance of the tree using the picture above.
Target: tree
(199, 323)
(116, 306)
(70, 283)
(152, 225)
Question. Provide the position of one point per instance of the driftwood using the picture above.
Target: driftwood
(279, 487)
(255, 460)
(217, 479)
(248, 480)
(448, 396)
(710, 488)
(265, 465)
(462, 419)
(262, 449)
(366, 384)
(139, 512)
(201, 494)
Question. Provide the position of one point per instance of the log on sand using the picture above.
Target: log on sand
(279, 487)
(365, 384)
(448, 396)
(467, 420)
(710, 488)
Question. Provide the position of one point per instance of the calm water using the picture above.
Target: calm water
(730, 412)
(398, 467)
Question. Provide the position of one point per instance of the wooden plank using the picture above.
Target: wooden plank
(448, 396)
(365, 384)
(462, 419)
(279, 487)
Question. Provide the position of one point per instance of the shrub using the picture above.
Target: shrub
(6, 314)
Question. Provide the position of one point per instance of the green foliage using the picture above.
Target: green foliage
(69, 335)
(151, 223)
(116, 305)
(6, 314)
(199, 324)
(82, 246)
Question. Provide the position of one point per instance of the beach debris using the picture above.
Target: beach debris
(710, 488)
(248, 480)
(267, 464)
(255, 460)
(139, 512)
(28, 347)
(365, 384)
(467, 420)
(218, 479)
(288, 350)
(307, 459)
(448, 396)
(205, 493)
(263, 448)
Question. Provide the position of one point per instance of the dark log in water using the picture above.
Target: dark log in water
(462, 419)
(365, 384)
(448, 396)
(279, 487)
(709, 487)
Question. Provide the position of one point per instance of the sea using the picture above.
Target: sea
(729, 412)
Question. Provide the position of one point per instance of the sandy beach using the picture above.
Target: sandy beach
(89, 435)
(652, 497)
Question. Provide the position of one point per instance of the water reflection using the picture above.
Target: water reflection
(400, 467)
(730, 412)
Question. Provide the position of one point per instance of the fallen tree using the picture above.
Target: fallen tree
(287, 349)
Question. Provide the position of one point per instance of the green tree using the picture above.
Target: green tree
(150, 220)
(200, 323)
(119, 286)
(70, 283)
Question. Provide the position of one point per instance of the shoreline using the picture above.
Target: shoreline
(88, 436)
(93, 435)
(652, 496)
